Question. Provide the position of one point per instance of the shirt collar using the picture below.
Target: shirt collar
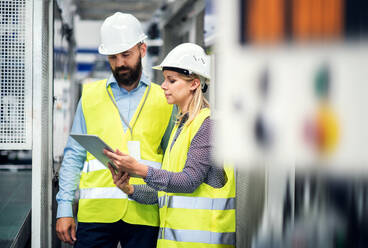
(184, 119)
(143, 80)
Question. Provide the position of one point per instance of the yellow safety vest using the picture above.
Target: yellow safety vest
(100, 200)
(204, 218)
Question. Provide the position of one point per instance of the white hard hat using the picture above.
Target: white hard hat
(119, 33)
(189, 57)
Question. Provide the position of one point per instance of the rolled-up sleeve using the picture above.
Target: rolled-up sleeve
(144, 194)
(197, 170)
(70, 170)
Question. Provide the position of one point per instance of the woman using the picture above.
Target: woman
(196, 199)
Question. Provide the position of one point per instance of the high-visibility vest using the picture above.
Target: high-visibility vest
(100, 200)
(204, 218)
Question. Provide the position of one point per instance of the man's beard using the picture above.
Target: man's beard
(131, 75)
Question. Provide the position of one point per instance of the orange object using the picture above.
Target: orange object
(333, 19)
(317, 19)
(265, 20)
(301, 15)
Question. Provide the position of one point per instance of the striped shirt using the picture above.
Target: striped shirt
(199, 168)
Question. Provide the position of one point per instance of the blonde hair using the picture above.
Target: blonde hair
(198, 101)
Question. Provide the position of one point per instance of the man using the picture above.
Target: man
(130, 114)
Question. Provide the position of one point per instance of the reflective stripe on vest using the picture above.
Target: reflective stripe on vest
(95, 165)
(197, 202)
(197, 236)
(161, 201)
(102, 193)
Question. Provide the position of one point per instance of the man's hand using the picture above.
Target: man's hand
(65, 230)
(121, 180)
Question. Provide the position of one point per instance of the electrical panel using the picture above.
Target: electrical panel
(291, 84)
(15, 74)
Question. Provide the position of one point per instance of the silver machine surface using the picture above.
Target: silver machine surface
(16, 74)
(25, 121)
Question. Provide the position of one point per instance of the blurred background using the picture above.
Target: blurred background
(290, 82)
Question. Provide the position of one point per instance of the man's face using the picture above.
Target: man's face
(127, 66)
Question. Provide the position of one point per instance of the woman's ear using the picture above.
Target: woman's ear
(195, 84)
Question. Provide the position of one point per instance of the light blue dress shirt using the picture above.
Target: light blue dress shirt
(75, 155)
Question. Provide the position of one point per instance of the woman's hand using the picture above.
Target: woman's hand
(126, 163)
(121, 180)
(121, 160)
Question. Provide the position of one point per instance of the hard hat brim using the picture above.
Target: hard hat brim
(157, 67)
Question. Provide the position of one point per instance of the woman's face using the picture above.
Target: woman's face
(177, 90)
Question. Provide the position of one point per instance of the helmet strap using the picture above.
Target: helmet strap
(204, 87)
(176, 69)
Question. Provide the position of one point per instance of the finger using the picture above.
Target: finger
(125, 182)
(115, 161)
(113, 165)
(120, 184)
(107, 152)
(67, 236)
(126, 176)
(73, 233)
(120, 173)
(120, 181)
(111, 155)
(60, 236)
(111, 170)
(123, 178)
(115, 178)
(119, 163)
(120, 153)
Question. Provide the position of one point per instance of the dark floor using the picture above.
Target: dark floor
(15, 203)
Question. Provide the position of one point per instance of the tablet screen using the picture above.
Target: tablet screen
(94, 145)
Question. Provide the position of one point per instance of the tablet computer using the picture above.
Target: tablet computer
(94, 145)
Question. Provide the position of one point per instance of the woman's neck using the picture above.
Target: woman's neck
(184, 107)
